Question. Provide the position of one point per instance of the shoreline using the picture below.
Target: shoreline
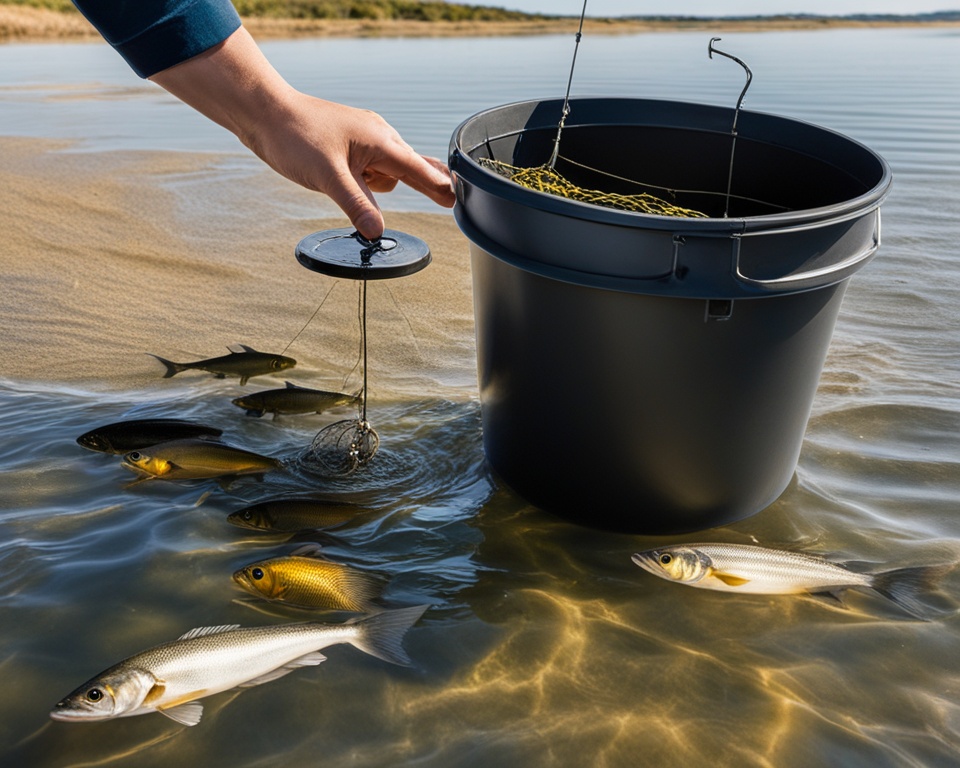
(24, 24)
(107, 260)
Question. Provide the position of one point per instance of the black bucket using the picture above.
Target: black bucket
(652, 373)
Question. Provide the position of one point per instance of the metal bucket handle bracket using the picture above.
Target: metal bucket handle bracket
(820, 276)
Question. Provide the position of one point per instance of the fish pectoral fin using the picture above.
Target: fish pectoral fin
(185, 714)
(729, 579)
(141, 479)
(154, 694)
(310, 660)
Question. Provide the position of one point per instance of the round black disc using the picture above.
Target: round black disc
(346, 253)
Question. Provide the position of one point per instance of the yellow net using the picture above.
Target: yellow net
(545, 179)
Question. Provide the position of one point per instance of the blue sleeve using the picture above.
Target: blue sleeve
(155, 34)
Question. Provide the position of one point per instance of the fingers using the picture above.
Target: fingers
(354, 194)
(426, 175)
(355, 199)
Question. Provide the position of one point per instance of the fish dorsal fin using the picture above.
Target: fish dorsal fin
(310, 660)
(185, 714)
(729, 579)
(240, 348)
(291, 385)
(204, 631)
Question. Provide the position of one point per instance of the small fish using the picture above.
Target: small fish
(244, 363)
(196, 458)
(757, 570)
(169, 678)
(124, 436)
(292, 399)
(307, 582)
(295, 514)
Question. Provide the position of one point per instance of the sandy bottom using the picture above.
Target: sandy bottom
(108, 256)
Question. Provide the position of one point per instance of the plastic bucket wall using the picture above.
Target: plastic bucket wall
(651, 373)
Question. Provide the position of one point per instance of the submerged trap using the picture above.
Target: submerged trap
(343, 446)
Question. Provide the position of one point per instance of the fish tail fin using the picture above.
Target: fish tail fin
(381, 634)
(364, 589)
(172, 368)
(906, 586)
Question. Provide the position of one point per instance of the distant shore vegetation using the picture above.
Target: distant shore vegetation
(374, 10)
(50, 20)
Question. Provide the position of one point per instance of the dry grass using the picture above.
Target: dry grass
(20, 23)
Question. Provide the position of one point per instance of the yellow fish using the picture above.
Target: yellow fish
(308, 582)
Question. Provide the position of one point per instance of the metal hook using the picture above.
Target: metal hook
(711, 49)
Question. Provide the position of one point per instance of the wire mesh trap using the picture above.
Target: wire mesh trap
(342, 447)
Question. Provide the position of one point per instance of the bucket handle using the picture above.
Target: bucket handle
(840, 269)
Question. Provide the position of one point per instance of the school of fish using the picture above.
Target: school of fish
(170, 678)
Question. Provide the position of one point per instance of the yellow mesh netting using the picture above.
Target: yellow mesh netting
(546, 179)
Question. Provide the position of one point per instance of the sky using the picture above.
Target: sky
(723, 7)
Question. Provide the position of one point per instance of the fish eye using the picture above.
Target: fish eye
(275, 364)
(666, 559)
(257, 573)
(135, 456)
(247, 515)
(94, 694)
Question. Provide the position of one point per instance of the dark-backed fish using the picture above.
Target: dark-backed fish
(244, 363)
(124, 436)
(308, 582)
(196, 458)
(169, 678)
(292, 399)
(757, 570)
(295, 514)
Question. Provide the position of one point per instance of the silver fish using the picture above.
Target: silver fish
(757, 570)
(169, 678)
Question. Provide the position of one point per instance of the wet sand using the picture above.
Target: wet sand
(109, 256)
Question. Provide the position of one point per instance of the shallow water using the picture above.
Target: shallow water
(545, 645)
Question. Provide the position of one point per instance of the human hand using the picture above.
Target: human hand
(346, 153)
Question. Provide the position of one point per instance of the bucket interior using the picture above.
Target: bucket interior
(682, 153)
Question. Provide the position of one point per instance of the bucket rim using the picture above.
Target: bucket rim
(462, 164)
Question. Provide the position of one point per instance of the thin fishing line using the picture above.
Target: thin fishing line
(566, 99)
(315, 313)
(362, 317)
(403, 314)
(360, 322)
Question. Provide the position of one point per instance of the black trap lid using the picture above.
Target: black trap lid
(347, 253)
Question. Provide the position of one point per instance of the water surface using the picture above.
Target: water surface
(545, 645)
